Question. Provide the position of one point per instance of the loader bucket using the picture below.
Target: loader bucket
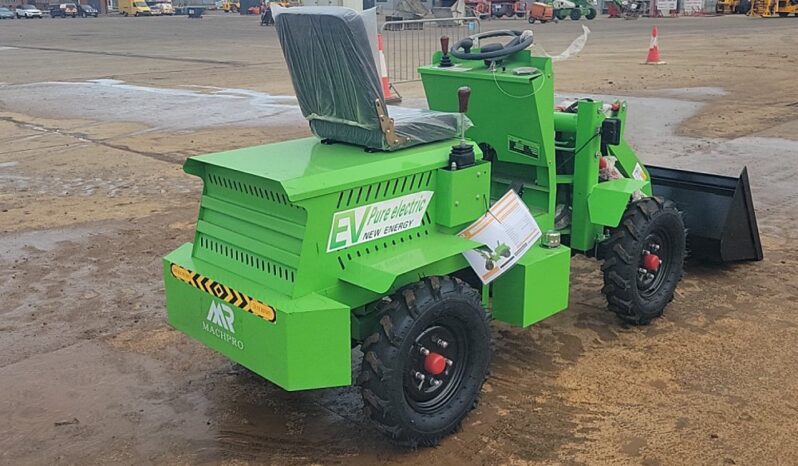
(718, 213)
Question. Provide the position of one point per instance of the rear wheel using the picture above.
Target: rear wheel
(560, 14)
(423, 370)
(591, 14)
(575, 14)
(531, 20)
(644, 258)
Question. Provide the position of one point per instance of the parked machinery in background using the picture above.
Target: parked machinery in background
(542, 12)
(772, 8)
(574, 9)
(628, 9)
(733, 6)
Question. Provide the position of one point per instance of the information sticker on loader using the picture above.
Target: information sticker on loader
(225, 293)
(638, 173)
(523, 147)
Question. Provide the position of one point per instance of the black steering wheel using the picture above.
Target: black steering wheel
(520, 41)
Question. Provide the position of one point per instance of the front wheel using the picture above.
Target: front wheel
(531, 20)
(575, 14)
(423, 370)
(591, 14)
(560, 14)
(643, 260)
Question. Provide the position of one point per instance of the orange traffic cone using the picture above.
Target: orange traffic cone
(386, 83)
(653, 50)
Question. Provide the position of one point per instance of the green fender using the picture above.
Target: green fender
(379, 273)
(608, 200)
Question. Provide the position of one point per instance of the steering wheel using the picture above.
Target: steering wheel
(520, 41)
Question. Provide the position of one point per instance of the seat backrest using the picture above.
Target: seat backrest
(330, 56)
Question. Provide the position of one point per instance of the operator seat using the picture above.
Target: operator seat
(334, 73)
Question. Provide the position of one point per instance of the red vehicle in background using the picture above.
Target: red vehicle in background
(484, 9)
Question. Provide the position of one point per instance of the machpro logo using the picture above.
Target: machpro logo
(222, 316)
(223, 319)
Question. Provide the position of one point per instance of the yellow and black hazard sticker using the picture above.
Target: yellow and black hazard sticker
(225, 293)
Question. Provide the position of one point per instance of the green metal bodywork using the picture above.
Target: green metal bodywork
(304, 229)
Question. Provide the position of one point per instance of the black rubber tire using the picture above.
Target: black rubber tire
(388, 353)
(559, 14)
(783, 15)
(575, 14)
(531, 20)
(622, 254)
(591, 14)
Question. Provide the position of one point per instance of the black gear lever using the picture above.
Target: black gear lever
(462, 155)
(445, 60)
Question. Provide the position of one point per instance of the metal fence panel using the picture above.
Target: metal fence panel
(411, 43)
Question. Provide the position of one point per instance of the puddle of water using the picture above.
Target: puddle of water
(159, 108)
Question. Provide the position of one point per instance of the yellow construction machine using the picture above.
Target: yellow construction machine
(231, 6)
(771, 8)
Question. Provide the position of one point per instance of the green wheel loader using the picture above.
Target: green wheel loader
(574, 9)
(308, 248)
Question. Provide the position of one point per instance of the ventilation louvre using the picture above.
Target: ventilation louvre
(252, 261)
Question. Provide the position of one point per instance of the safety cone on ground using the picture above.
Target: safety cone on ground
(390, 97)
(653, 50)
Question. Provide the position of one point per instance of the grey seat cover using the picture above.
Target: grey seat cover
(331, 62)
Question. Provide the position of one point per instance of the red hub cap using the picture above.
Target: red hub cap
(434, 363)
(651, 262)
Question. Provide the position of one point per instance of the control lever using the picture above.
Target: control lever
(463, 94)
(462, 155)
(445, 60)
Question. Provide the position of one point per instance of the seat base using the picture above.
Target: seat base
(418, 126)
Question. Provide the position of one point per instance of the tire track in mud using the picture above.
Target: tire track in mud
(170, 157)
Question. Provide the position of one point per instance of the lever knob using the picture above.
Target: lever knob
(462, 95)
(445, 44)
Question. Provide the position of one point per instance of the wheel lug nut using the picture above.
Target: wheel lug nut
(441, 342)
(435, 382)
(449, 363)
(419, 376)
(423, 351)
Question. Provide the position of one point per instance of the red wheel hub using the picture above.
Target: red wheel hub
(651, 262)
(434, 363)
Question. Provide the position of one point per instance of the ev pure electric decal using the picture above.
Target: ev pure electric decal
(377, 220)
(220, 322)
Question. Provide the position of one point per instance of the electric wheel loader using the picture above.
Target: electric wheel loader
(307, 248)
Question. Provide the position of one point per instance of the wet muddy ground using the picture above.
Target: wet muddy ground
(94, 127)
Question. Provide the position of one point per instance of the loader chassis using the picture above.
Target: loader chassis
(306, 248)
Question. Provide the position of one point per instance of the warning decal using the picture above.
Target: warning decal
(225, 293)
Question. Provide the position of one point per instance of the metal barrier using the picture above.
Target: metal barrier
(411, 43)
